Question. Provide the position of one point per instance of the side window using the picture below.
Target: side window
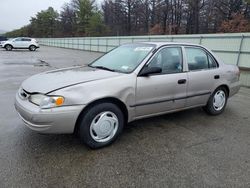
(169, 59)
(26, 39)
(196, 59)
(18, 39)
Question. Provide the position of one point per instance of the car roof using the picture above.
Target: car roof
(23, 37)
(159, 44)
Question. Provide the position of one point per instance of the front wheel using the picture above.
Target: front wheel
(8, 47)
(217, 102)
(101, 125)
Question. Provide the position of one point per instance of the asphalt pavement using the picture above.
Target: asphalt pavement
(184, 149)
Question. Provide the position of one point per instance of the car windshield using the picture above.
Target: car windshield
(123, 59)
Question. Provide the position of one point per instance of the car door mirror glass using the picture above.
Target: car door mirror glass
(146, 71)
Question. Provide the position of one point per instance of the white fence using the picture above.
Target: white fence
(231, 48)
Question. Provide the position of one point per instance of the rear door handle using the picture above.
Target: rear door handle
(182, 81)
(217, 77)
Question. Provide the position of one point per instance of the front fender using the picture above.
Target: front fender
(121, 88)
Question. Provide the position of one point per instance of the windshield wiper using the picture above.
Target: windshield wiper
(103, 68)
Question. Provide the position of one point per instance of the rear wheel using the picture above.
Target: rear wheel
(32, 48)
(217, 102)
(8, 47)
(101, 125)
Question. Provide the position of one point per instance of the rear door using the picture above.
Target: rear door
(25, 42)
(203, 75)
(166, 91)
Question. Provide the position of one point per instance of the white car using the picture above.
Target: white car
(21, 43)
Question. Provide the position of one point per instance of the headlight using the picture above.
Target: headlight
(45, 101)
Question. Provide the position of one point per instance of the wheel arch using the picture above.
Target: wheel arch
(32, 45)
(113, 100)
(9, 45)
(226, 87)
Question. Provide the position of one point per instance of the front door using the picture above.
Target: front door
(166, 91)
(17, 43)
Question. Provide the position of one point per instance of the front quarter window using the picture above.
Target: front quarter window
(125, 58)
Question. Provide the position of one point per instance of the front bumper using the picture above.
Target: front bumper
(2, 44)
(59, 120)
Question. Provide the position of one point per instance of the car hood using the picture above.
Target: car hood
(53, 80)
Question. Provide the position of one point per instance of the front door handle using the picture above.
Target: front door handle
(217, 77)
(182, 81)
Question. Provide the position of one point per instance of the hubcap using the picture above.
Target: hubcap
(219, 100)
(8, 47)
(104, 126)
(32, 48)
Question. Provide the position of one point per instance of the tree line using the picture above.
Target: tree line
(139, 17)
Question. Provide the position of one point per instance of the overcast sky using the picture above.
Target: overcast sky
(17, 13)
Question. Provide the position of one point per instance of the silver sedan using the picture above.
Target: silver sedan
(131, 82)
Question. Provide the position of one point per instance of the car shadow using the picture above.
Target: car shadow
(170, 131)
(149, 125)
(17, 50)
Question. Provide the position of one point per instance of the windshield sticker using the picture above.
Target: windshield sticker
(143, 49)
(125, 67)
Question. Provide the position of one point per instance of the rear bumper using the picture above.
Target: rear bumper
(59, 120)
(234, 88)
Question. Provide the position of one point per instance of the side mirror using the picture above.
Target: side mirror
(146, 71)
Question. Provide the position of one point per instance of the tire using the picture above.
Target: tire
(8, 47)
(101, 125)
(214, 107)
(32, 48)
